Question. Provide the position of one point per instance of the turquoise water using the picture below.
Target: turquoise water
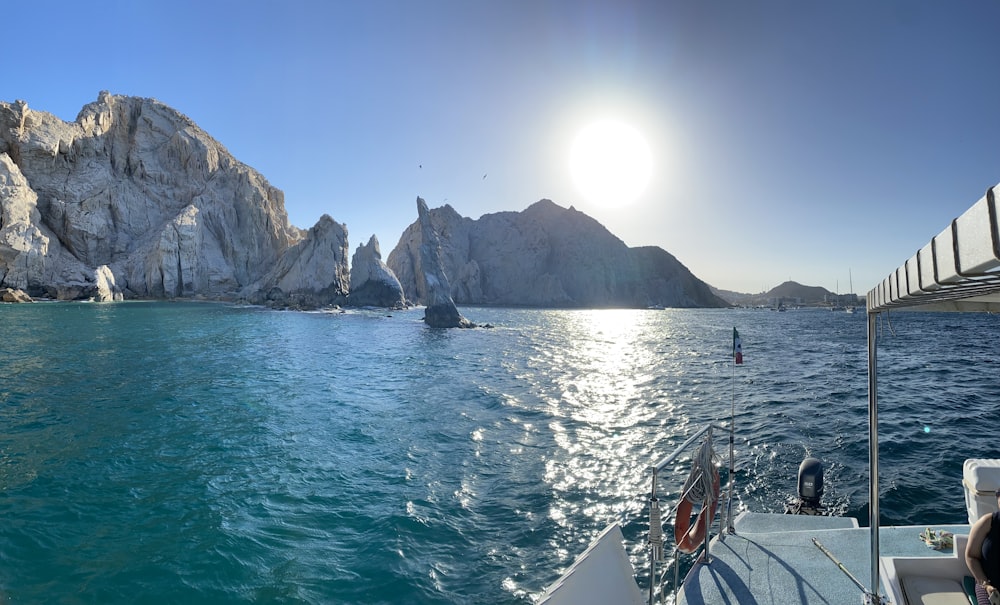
(203, 453)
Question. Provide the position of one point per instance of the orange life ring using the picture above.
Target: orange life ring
(688, 536)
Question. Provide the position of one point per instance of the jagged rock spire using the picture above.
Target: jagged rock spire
(441, 311)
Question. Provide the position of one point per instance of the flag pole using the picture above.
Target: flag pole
(737, 358)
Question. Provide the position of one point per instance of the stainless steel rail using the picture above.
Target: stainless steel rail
(659, 466)
(654, 471)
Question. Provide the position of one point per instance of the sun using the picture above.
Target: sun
(610, 163)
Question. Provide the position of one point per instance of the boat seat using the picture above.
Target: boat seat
(928, 590)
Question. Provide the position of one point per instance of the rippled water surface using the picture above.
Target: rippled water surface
(202, 453)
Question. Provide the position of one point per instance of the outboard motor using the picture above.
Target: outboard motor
(810, 489)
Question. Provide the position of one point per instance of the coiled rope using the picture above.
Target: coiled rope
(698, 487)
(655, 529)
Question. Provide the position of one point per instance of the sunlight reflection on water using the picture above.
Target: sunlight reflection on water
(358, 458)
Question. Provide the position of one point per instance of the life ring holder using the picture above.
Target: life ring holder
(689, 536)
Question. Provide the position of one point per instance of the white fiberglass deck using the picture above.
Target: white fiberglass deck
(772, 560)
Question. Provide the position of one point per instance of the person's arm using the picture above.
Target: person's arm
(974, 551)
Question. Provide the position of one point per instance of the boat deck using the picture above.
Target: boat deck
(771, 559)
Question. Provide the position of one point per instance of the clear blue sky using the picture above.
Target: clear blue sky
(811, 141)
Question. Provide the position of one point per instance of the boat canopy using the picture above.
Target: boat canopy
(959, 270)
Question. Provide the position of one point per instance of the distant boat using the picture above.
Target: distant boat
(850, 307)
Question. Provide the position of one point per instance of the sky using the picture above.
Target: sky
(818, 142)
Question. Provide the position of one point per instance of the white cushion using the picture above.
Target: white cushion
(924, 590)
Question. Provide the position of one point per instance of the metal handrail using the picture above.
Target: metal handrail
(680, 449)
(654, 472)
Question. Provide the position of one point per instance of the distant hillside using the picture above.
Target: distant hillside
(789, 293)
(740, 299)
(804, 294)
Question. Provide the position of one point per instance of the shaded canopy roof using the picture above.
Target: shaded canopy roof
(958, 270)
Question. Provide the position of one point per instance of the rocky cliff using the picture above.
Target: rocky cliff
(372, 283)
(546, 256)
(133, 199)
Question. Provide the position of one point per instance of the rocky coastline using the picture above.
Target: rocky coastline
(132, 200)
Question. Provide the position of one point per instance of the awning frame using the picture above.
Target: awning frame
(958, 270)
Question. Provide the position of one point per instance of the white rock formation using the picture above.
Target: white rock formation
(311, 273)
(13, 295)
(107, 290)
(137, 187)
(23, 245)
(372, 282)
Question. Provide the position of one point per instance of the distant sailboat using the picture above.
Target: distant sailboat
(850, 307)
(836, 299)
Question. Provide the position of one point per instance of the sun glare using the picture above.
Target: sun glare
(610, 163)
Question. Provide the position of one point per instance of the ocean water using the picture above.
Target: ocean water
(206, 453)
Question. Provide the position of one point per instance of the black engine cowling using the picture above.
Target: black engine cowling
(811, 481)
(810, 487)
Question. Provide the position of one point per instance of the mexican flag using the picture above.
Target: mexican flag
(737, 348)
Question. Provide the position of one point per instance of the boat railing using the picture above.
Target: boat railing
(655, 542)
